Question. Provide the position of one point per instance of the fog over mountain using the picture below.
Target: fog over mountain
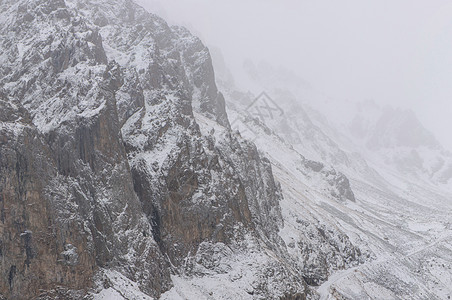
(393, 52)
(290, 150)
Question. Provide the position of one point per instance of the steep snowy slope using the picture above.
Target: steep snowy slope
(401, 219)
(397, 225)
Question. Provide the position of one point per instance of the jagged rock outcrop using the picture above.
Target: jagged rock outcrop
(339, 185)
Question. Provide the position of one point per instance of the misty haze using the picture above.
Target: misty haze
(195, 149)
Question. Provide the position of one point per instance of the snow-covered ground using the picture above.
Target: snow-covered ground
(403, 218)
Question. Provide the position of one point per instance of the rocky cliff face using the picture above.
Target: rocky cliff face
(68, 189)
(105, 168)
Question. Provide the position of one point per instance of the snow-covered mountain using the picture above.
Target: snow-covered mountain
(109, 186)
(121, 177)
(124, 175)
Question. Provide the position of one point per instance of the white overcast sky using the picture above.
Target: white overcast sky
(392, 51)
